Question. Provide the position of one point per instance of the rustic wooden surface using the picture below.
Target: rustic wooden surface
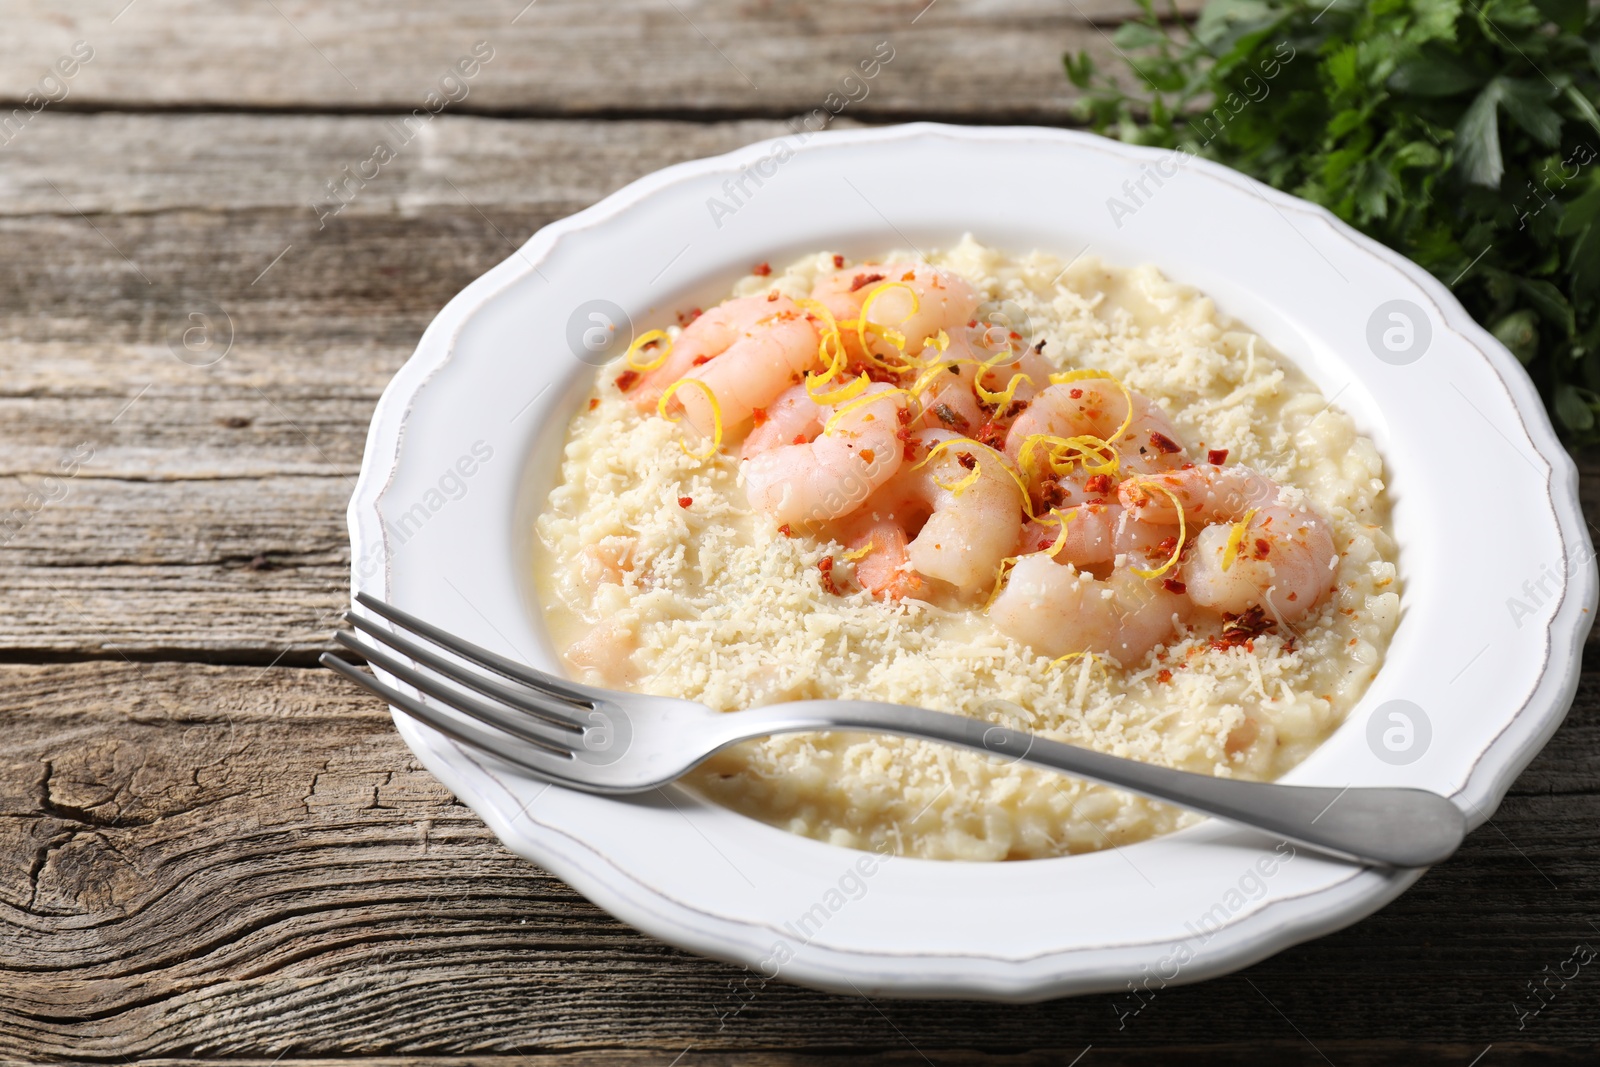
(211, 851)
(975, 60)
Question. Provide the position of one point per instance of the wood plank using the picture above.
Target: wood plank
(986, 61)
(223, 861)
(203, 862)
(67, 163)
(180, 568)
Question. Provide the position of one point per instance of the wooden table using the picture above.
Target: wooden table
(212, 850)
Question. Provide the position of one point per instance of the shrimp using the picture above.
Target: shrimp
(944, 301)
(1285, 563)
(946, 402)
(1096, 407)
(885, 571)
(832, 476)
(1029, 362)
(946, 395)
(709, 336)
(1098, 533)
(744, 351)
(963, 533)
(950, 399)
(751, 372)
(949, 403)
(606, 560)
(606, 650)
(1207, 493)
(1058, 609)
(794, 418)
(1282, 558)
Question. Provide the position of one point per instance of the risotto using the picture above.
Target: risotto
(1158, 540)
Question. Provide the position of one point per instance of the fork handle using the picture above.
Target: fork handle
(1392, 826)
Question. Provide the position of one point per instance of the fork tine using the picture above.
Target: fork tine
(492, 742)
(557, 740)
(493, 661)
(537, 703)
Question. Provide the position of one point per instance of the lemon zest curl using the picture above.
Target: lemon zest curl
(716, 415)
(1236, 538)
(1183, 532)
(649, 337)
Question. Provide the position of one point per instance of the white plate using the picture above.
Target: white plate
(1499, 580)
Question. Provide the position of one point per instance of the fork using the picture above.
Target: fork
(603, 741)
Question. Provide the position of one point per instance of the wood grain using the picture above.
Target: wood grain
(990, 61)
(208, 862)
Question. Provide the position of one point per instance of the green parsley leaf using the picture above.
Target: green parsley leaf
(1463, 133)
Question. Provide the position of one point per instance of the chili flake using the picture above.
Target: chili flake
(864, 280)
(1239, 631)
(1164, 444)
(1172, 585)
(909, 453)
(627, 379)
(759, 415)
(761, 270)
(1217, 456)
(594, 402)
(786, 530)
(838, 261)
(685, 501)
(967, 460)
(991, 435)
(1101, 484)
(825, 566)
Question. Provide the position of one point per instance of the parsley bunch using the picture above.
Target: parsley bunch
(1464, 134)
